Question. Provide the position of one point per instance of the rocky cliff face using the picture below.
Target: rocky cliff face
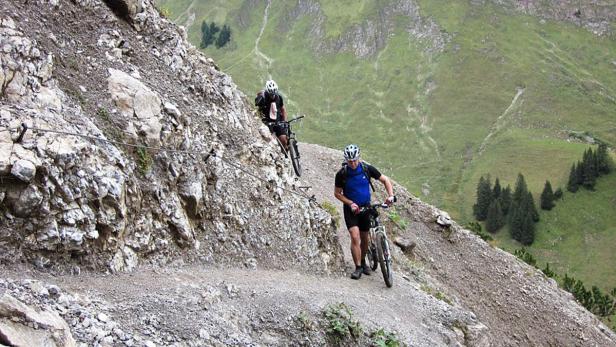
(369, 37)
(160, 169)
(594, 15)
(123, 148)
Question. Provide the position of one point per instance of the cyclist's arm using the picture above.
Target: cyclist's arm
(259, 99)
(340, 196)
(387, 183)
(283, 112)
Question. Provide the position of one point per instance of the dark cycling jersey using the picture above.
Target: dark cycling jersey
(357, 185)
(264, 102)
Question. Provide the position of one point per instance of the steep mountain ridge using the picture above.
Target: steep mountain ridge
(76, 201)
(219, 196)
(595, 15)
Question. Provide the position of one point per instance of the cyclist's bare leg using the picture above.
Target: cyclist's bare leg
(355, 245)
(284, 141)
(365, 244)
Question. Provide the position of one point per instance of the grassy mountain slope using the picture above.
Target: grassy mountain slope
(578, 235)
(501, 97)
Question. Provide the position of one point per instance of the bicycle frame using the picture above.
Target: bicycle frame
(379, 245)
(292, 145)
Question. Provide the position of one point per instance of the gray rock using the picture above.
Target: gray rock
(24, 170)
(406, 245)
(171, 109)
(26, 201)
(6, 145)
(51, 329)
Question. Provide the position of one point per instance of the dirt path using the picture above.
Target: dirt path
(186, 303)
(191, 301)
(500, 121)
(268, 60)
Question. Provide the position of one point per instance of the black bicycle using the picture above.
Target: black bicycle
(292, 145)
(379, 252)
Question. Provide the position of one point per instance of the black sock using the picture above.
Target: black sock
(357, 267)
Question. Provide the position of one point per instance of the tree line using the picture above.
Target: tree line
(585, 172)
(499, 207)
(594, 300)
(213, 34)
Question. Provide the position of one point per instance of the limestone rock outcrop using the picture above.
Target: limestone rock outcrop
(121, 144)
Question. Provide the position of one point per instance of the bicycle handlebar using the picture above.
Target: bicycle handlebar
(294, 119)
(375, 206)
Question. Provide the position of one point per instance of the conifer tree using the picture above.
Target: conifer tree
(547, 197)
(527, 229)
(531, 207)
(214, 29)
(589, 174)
(558, 193)
(518, 209)
(520, 189)
(224, 36)
(496, 192)
(579, 173)
(506, 199)
(206, 35)
(514, 220)
(603, 160)
(572, 184)
(484, 198)
(495, 219)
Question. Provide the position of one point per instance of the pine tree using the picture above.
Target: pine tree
(532, 208)
(558, 193)
(214, 29)
(496, 192)
(224, 36)
(484, 198)
(520, 189)
(589, 174)
(527, 230)
(206, 35)
(506, 199)
(522, 213)
(603, 160)
(547, 197)
(514, 220)
(518, 208)
(495, 219)
(572, 184)
(209, 33)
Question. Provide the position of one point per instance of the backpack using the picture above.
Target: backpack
(364, 169)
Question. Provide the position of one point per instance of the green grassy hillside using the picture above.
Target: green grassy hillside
(501, 97)
(578, 235)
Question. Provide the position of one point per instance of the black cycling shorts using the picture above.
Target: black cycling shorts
(277, 128)
(361, 220)
(281, 129)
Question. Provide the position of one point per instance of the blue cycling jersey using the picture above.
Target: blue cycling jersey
(357, 187)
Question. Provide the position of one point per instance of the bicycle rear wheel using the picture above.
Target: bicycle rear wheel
(295, 157)
(384, 259)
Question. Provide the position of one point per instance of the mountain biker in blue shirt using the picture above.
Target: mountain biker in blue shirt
(352, 187)
(265, 100)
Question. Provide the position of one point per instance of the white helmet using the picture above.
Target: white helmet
(271, 87)
(351, 152)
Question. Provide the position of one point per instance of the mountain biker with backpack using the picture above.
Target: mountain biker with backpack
(271, 106)
(352, 187)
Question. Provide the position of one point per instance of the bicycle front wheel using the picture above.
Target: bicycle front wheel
(384, 259)
(372, 255)
(295, 157)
